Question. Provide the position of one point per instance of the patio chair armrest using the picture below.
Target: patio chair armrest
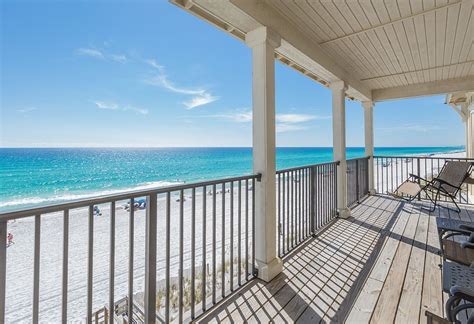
(417, 177)
(467, 227)
(463, 293)
(454, 305)
(452, 233)
(467, 245)
(433, 318)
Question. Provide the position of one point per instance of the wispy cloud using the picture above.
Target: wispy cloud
(106, 105)
(238, 117)
(118, 58)
(27, 110)
(142, 111)
(412, 128)
(284, 122)
(114, 106)
(298, 118)
(199, 100)
(154, 64)
(90, 52)
(283, 128)
(200, 96)
(100, 54)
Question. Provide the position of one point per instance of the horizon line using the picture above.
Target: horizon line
(187, 147)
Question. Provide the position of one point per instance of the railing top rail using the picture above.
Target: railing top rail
(305, 167)
(4, 216)
(422, 157)
(359, 158)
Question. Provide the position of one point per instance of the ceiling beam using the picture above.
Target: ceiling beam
(415, 71)
(424, 89)
(267, 16)
(388, 23)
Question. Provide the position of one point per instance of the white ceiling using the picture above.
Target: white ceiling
(390, 43)
(383, 49)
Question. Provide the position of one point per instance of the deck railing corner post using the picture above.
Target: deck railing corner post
(3, 268)
(312, 200)
(150, 258)
(418, 173)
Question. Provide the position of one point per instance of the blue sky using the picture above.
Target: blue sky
(149, 74)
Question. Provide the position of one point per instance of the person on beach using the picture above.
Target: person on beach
(97, 211)
(10, 239)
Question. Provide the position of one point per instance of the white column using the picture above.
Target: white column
(263, 43)
(469, 121)
(469, 135)
(339, 144)
(369, 140)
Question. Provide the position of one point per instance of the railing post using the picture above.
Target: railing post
(312, 200)
(3, 268)
(417, 172)
(150, 258)
(357, 180)
(369, 160)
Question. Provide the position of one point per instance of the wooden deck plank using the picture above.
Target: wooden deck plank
(338, 240)
(381, 265)
(386, 307)
(365, 303)
(325, 299)
(410, 299)
(432, 299)
(298, 261)
(374, 240)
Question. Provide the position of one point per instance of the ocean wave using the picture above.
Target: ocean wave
(31, 201)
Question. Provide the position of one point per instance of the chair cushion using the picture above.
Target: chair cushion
(409, 188)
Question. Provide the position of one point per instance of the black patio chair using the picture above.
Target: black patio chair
(448, 183)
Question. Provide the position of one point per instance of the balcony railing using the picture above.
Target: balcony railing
(306, 201)
(357, 179)
(198, 247)
(391, 171)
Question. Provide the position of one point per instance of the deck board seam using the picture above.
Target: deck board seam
(369, 250)
(374, 210)
(340, 225)
(391, 264)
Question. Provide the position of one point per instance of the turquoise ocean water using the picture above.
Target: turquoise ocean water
(35, 177)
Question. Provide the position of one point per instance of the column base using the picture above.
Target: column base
(372, 192)
(344, 213)
(268, 271)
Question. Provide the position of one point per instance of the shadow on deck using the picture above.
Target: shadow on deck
(381, 265)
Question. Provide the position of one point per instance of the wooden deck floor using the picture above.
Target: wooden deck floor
(379, 266)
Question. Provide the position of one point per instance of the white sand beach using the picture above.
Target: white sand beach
(20, 254)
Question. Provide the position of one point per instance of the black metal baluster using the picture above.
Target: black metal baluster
(204, 251)
(214, 243)
(239, 227)
(223, 243)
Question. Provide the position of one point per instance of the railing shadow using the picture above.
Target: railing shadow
(346, 305)
(323, 276)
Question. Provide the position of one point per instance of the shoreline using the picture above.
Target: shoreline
(19, 203)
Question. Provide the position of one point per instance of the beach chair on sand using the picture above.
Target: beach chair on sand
(448, 184)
